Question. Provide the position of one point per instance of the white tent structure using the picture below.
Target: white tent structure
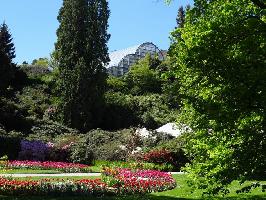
(173, 129)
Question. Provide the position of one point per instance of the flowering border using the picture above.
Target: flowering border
(37, 165)
(114, 182)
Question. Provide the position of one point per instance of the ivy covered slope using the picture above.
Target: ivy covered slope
(221, 68)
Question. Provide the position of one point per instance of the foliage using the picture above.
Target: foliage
(117, 84)
(7, 54)
(11, 117)
(158, 156)
(81, 153)
(35, 71)
(220, 65)
(142, 78)
(134, 165)
(177, 148)
(180, 19)
(10, 145)
(125, 110)
(100, 145)
(42, 62)
(82, 52)
(34, 100)
(47, 131)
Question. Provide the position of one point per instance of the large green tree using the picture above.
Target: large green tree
(220, 64)
(82, 52)
(7, 54)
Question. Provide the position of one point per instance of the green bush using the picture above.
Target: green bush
(134, 165)
(47, 130)
(100, 145)
(10, 145)
(125, 110)
(12, 117)
(176, 149)
(81, 153)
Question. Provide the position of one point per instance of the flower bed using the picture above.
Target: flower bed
(59, 166)
(52, 187)
(114, 182)
(127, 181)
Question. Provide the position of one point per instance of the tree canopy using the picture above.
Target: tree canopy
(220, 64)
(7, 54)
(82, 52)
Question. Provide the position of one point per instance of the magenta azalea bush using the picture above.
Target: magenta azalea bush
(48, 165)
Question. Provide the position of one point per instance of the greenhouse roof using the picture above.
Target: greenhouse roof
(117, 56)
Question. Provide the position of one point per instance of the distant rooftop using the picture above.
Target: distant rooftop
(122, 60)
(117, 56)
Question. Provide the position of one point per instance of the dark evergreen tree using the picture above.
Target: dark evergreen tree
(82, 52)
(7, 54)
(180, 19)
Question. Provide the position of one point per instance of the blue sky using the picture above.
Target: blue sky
(33, 24)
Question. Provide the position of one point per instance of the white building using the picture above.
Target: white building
(122, 60)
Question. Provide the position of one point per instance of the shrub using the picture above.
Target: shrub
(12, 117)
(34, 99)
(10, 145)
(176, 149)
(47, 130)
(80, 153)
(161, 156)
(135, 165)
(33, 150)
(125, 110)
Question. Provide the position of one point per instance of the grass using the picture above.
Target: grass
(182, 192)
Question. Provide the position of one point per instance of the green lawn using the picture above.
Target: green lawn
(182, 192)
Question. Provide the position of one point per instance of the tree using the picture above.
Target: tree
(143, 77)
(220, 65)
(82, 52)
(44, 62)
(180, 19)
(7, 54)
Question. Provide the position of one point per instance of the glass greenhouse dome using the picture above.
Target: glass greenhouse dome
(122, 60)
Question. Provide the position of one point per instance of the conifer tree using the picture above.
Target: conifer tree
(7, 54)
(82, 52)
(180, 19)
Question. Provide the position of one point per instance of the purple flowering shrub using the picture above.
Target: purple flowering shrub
(33, 150)
(40, 151)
